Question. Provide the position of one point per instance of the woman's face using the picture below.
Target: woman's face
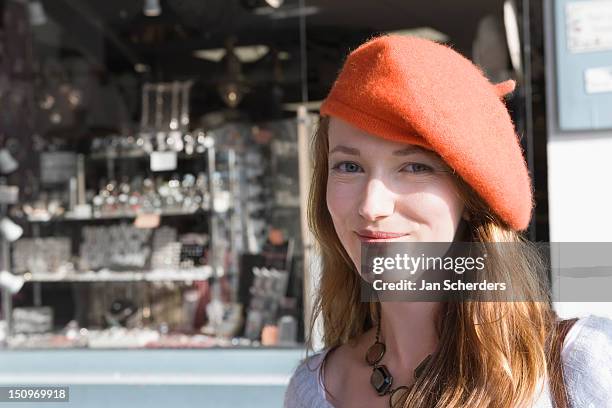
(384, 191)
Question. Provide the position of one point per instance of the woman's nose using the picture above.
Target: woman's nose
(377, 201)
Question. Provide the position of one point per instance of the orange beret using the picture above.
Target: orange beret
(417, 91)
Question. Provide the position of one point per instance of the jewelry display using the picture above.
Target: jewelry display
(177, 243)
(153, 195)
(268, 289)
(166, 249)
(121, 246)
(41, 255)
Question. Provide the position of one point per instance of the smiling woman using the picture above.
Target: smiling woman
(412, 154)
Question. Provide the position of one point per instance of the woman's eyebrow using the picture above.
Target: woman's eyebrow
(345, 149)
(355, 152)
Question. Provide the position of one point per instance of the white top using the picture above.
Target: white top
(586, 356)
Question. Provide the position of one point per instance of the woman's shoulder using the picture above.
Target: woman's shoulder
(587, 361)
(590, 335)
(304, 389)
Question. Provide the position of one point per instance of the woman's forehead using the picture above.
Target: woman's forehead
(345, 137)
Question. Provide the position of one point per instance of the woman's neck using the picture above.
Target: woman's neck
(408, 331)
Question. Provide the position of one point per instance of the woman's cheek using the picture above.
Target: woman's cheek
(436, 216)
(340, 197)
(340, 204)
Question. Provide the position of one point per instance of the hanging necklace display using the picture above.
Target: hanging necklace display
(381, 379)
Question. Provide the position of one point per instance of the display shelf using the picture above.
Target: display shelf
(141, 155)
(134, 214)
(200, 150)
(106, 275)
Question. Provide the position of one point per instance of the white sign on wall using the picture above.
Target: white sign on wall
(598, 80)
(589, 25)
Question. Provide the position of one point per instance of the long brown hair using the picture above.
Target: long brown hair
(490, 353)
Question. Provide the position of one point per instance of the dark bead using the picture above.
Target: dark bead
(375, 353)
(381, 379)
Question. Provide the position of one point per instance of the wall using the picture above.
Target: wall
(579, 170)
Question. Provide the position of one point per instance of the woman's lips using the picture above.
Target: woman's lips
(378, 236)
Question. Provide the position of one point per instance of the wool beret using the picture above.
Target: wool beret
(412, 90)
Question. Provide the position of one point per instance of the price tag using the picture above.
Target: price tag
(147, 221)
(163, 161)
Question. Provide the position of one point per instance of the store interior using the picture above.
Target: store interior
(150, 188)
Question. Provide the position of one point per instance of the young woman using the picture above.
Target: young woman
(416, 145)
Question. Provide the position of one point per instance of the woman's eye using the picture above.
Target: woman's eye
(350, 167)
(347, 167)
(417, 168)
